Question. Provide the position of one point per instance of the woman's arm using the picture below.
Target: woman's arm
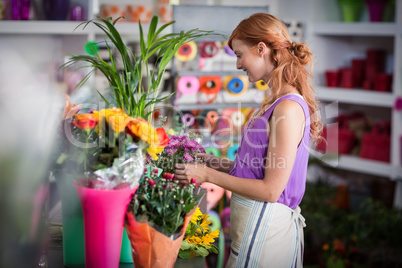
(285, 134)
(220, 164)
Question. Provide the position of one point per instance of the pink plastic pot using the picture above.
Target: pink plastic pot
(104, 212)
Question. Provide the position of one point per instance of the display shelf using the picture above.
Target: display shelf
(356, 96)
(217, 105)
(355, 29)
(357, 164)
(210, 73)
(215, 138)
(70, 28)
(41, 27)
(132, 28)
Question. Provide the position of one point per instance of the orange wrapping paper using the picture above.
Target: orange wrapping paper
(151, 248)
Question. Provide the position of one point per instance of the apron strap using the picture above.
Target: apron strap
(300, 224)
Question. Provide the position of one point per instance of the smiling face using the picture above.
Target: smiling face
(254, 60)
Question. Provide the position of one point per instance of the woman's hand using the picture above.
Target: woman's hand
(220, 164)
(191, 173)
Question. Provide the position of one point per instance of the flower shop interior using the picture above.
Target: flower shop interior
(53, 64)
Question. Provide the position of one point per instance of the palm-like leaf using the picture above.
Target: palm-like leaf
(127, 88)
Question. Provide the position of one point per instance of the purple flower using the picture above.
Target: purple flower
(170, 152)
(188, 157)
(173, 143)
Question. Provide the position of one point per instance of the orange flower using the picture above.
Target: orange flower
(85, 121)
(162, 137)
(138, 127)
(69, 109)
(118, 122)
(156, 138)
(115, 117)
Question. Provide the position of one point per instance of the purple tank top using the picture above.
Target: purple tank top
(252, 154)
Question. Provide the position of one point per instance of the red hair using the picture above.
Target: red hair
(289, 59)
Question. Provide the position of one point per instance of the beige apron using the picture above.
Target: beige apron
(265, 234)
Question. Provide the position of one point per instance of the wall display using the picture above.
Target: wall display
(188, 85)
(229, 51)
(261, 85)
(188, 119)
(238, 119)
(210, 85)
(187, 52)
(235, 85)
(295, 29)
(208, 49)
(232, 151)
(213, 151)
(211, 121)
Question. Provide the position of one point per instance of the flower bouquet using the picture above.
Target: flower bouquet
(199, 237)
(108, 153)
(162, 207)
(180, 149)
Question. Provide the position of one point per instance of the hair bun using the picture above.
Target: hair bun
(302, 52)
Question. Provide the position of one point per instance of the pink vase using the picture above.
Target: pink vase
(104, 212)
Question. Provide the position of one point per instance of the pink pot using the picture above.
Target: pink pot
(104, 212)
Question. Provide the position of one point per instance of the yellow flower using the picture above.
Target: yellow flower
(325, 247)
(194, 240)
(210, 238)
(196, 215)
(204, 223)
(110, 115)
(118, 122)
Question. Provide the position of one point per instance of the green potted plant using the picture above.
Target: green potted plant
(128, 90)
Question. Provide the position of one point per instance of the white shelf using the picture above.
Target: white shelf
(355, 29)
(69, 28)
(356, 96)
(41, 27)
(132, 28)
(362, 165)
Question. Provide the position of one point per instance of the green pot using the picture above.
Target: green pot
(351, 10)
(72, 221)
(126, 255)
(194, 262)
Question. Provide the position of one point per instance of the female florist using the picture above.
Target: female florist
(144, 135)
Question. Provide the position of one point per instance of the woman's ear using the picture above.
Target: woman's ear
(262, 48)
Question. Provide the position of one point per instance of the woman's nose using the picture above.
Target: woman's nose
(238, 65)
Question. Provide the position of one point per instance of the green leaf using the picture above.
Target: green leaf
(200, 251)
(184, 245)
(184, 254)
(214, 249)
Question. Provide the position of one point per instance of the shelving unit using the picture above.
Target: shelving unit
(356, 96)
(188, 17)
(335, 42)
(355, 29)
